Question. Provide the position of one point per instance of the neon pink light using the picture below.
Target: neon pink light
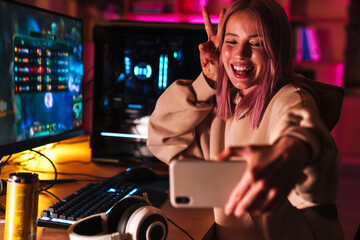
(299, 45)
(112, 12)
(163, 18)
(152, 18)
(339, 74)
(199, 19)
(313, 44)
(202, 3)
(287, 11)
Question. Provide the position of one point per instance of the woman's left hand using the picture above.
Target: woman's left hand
(272, 172)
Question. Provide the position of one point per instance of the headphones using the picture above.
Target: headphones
(132, 218)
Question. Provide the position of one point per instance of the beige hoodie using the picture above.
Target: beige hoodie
(183, 125)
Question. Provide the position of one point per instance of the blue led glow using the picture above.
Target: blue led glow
(142, 71)
(62, 221)
(123, 135)
(148, 71)
(166, 65)
(132, 192)
(127, 65)
(57, 220)
(161, 69)
(136, 70)
(106, 102)
(111, 190)
(135, 106)
(121, 77)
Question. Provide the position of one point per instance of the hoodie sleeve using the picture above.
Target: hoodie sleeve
(298, 115)
(183, 108)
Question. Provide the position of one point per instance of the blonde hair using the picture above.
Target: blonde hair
(278, 48)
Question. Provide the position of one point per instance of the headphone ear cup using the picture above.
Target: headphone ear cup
(124, 218)
(147, 223)
(119, 209)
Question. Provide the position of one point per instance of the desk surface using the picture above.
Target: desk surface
(72, 160)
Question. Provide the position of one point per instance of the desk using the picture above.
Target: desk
(73, 156)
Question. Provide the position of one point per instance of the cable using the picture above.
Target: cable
(78, 174)
(97, 178)
(55, 171)
(84, 174)
(2, 207)
(2, 162)
(2, 182)
(180, 228)
(71, 162)
(48, 192)
(2, 186)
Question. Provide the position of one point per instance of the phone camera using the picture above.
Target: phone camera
(182, 200)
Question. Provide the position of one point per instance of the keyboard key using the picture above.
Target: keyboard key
(88, 200)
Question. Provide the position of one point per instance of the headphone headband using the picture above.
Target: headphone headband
(131, 218)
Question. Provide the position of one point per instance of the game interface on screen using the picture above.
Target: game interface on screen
(41, 71)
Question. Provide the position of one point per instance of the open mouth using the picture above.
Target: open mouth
(243, 70)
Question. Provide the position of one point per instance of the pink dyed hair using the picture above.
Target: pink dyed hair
(278, 48)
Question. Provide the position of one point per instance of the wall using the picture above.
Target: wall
(348, 129)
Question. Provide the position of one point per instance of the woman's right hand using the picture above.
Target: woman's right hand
(272, 172)
(209, 52)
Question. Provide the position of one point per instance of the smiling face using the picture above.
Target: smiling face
(241, 54)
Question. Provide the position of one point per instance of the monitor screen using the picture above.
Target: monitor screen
(41, 75)
(134, 63)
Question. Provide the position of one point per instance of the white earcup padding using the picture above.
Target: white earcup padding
(147, 222)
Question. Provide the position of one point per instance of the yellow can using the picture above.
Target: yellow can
(22, 195)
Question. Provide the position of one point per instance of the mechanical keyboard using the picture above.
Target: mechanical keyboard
(95, 198)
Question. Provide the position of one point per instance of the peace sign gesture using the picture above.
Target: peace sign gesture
(209, 52)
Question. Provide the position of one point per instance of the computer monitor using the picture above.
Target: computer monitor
(41, 72)
(134, 63)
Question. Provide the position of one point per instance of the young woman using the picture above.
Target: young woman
(248, 103)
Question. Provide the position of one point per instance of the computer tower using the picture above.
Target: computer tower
(134, 63)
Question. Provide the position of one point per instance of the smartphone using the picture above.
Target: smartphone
(203, 184)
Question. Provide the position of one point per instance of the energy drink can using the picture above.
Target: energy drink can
(22, 195)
